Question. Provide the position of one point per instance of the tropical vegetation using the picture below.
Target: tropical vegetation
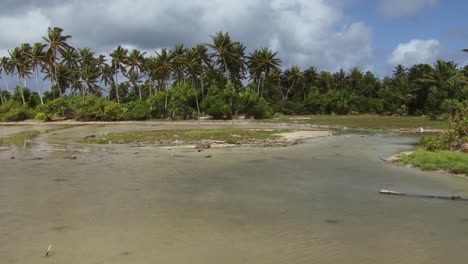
(222, 79)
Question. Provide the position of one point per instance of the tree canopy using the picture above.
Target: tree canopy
(221, 77)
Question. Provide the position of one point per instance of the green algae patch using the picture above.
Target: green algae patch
(230, 136)
(20, 138)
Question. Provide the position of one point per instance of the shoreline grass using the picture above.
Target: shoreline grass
(226, 135)
(454, 162)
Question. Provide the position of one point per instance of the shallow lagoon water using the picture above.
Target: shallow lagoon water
(316, 202)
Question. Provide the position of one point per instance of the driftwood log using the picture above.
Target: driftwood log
(451, 197)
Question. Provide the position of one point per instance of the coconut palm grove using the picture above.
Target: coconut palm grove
(53, 80)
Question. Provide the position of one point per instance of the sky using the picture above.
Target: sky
(328, 34)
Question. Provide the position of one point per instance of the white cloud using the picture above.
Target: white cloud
(307, 36)
(404, 8)
(415, 52)
(305, 32)
(24, 28)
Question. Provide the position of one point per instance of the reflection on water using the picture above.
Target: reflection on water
(302, 204)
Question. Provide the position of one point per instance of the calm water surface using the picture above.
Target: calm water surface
(316, 202)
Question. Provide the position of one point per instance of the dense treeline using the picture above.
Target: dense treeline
(218, 79)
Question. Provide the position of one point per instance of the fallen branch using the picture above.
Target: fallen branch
(453, 197)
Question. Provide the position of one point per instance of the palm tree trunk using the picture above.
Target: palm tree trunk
(55, 72)
(139, 93)
(258, 87)
(38, 88)
(83, 92)
(263, 84)
(151, 89)
(117, 88)
(285, 97)
(196, 95)
(6, 83)
(228, 75)
(139, 87)
(202, 84)
(21, 90)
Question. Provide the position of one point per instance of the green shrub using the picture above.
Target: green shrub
(182, 101)
(457, 136)
(18, 114)
(112, 111)
(158, 104)
(293, 108)
(433, 143)
(14, 111)
(312, 103)
(90, 109)
(60, 107)
(136, 110)
(255, 106)
(40, 116)
(216, 106)
(94, 108)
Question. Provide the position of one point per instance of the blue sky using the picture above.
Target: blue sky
(328, 34)
(444, 21)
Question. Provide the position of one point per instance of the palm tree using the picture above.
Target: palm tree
(238, 63)
(135, 67)
(7, 69)
(163, 67)
(153, 77)
(118, 56)
(441, 72)
(261, 63)
(86, 57)
(293, 75)
(370, 85)
(193, 68)
(355, 78)
(56, 42)
(204, 60)
(310, 81)
(70, 58)
(37, 56)
(17, 63)
(177, 59)
(107, 77)
(400, 71)
(325, 80)
(229, 55)
(341, 79)
(90, 74)
(2, 100)
(222, 46)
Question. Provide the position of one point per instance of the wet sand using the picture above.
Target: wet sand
(316, 202)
